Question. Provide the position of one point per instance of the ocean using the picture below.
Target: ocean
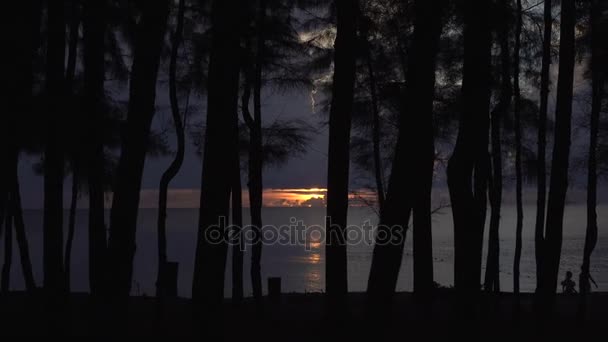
(301, 266)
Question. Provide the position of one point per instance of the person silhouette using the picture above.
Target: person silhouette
(568, 285)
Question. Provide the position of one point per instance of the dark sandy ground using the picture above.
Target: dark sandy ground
(302, 317)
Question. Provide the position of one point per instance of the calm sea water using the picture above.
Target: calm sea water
(302, 269)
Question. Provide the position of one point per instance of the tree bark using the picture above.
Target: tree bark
(94, 16)
(177, 162)
(53, 155)
(339, 152)
(561, 151)
(468, 166)
(518, 152)
(123, 217)
(541, 173)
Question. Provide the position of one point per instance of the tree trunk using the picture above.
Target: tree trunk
(339, 152)
(71, 229)
(237, 224)
(492, 277)
(596, 108)
(21, 32)
(5, 283)
(223, 83)
(256, 186)
(467, 168)
(53, 154)
(123, 218)
(561, 151)
(518, 151)
(177, 162)
(16, 212)
(378, 174)
(94, 16)
(541, 173)
(410, 183)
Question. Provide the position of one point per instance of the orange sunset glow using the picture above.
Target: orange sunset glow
(273, 198)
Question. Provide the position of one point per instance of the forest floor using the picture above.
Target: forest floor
(302, 317)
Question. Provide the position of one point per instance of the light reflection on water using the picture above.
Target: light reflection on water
(302, 269)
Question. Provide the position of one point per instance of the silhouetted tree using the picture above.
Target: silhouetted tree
(561, 151)
(95, 14)
(177, 162)
(518, 149)
(492, 276)
(123, 218)
(339, 151)
(541, 173)
(409, 188)
(53, 154)
(468, 166)
(223, 86)
(598, 80)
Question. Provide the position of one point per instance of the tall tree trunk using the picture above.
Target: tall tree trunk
(237, 224)
(72, 117)
(223, 83)
(123, 217)
(467, 168)
(518, 152)
(492, 276)
(71, 229)
(5, 283)
(378, 174)
(410, 183)
(596, 108)
(16, 212)
(177, 162)
(20, 30)
(53, 154)
(94, 16)
(339, 152)
(541, 173)
(561, 151)
(255, 158)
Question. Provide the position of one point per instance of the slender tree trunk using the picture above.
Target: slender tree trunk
(94, 16)
(17, 213)
(467, 168)
(256, 186)
(378, 174)
(223, 79)
(71, 229)
(20, 30)
(237, 223)
(339, 152)
(518, 152)
(410, 183)
(5, 283)
(492, 277)
(123, 218)
(53, 154)
(541, 173)
(596, 108)
(177, 162)
(70, 72)
(561, 151)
